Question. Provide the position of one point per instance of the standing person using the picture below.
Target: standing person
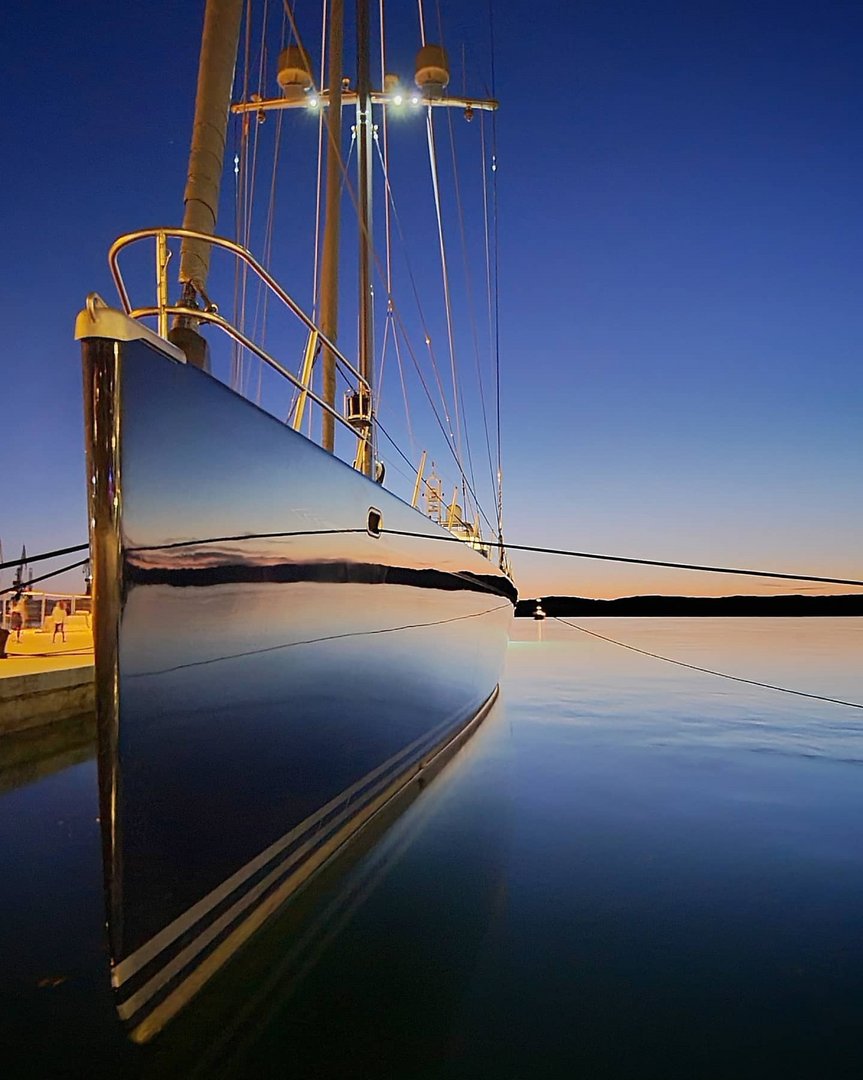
(18, 616)
(58, 618)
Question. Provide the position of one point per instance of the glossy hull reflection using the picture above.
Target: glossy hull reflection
(260, 697)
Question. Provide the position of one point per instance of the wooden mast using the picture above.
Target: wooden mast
(206, 157)
(364, 164)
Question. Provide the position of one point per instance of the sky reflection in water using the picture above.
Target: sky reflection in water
(631, 870)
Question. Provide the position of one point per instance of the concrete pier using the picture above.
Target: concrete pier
(43, 683)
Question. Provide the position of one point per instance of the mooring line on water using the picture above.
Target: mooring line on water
(49, 655)
(707, 671)
(316, 641)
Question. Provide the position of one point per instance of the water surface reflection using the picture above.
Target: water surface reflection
(631, 870)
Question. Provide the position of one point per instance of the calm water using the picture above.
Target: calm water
(632, 870)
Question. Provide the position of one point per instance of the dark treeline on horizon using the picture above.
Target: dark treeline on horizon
(712, 606)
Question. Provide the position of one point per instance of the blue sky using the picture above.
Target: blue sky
(680, 282)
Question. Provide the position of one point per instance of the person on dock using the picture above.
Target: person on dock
(18, 617)
(58, 618)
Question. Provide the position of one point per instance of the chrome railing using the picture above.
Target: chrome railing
(163, 311)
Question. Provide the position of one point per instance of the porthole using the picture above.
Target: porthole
(375, 522)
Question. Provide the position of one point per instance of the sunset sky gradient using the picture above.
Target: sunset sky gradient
(680, 282)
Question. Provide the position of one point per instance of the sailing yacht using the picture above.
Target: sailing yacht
(285, 649)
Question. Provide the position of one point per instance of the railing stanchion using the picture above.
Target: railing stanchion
(162, 257)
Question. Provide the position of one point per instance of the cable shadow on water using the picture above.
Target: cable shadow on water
(315, 641)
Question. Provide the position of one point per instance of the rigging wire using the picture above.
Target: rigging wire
(376, 257)
(246, 177)
(318, 189)
(457, 392)
(708, 671)
(457, 398)
(397, 448)
(444, 273)
(413, 475)
(379, 374)
(408, 421)
(388, 327)
(496, 252)
(449, 439)
(426, 332)
(490, 302)
(296, 392)
(385, 159)
(470, 300)
(289, 15)
(268, 244)
(418, 369)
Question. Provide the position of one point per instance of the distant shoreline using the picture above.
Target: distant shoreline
(793, 606)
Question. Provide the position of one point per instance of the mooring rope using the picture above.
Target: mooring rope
(641, 562)
(445, 539)
(707, 671)
(33, 581)
(535, 549)
(43, 556)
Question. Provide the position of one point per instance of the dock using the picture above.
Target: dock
(44, 682)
